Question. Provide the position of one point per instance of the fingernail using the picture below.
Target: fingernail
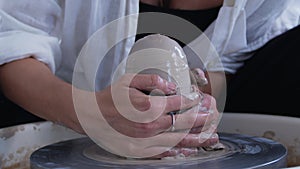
(203, 81)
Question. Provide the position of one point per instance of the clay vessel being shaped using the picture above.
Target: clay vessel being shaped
(159, 54)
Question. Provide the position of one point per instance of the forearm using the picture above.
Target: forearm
(216, 87)
(30, 84)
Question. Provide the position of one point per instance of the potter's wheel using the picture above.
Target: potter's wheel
(240, 151)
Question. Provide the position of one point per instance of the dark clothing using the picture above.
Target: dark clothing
(12, 114)
(269, 82)
(200, 18)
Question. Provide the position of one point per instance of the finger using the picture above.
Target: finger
(139, 100)
(179, 102)
(197, 130)
(165, 104)
(188, 151)
(209, 105)
(170, 104)
(198, 72)
(208, 102)
(203, 115)
(187, 120)
(170, 153)
(192, 119)
(175, 152)
(161, 144)
(199, 76)
(186, 140)
(156, 106)
(198, 140)
(153, 83)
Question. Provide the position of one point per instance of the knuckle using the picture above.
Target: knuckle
(155, 108)
(147, 127)
(159, 105)
(143, 103)
(155, 80)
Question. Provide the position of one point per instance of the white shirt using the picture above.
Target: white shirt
(54, 31)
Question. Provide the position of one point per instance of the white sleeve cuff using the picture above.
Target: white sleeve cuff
(17, 45)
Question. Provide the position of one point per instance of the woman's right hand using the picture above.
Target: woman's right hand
(137, 124)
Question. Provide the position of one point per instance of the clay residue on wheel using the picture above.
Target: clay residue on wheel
(9, 132)
(23, 163)
(294, 154)
(269, 135)
(98, 154)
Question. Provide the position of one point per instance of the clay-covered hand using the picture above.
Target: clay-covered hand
(200, 84)
(198, 77)
(135, 124)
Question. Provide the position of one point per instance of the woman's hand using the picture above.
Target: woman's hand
(58, 101)
(136, 124)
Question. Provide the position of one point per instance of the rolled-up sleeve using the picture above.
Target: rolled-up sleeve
(265, 20)
(30, 28)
